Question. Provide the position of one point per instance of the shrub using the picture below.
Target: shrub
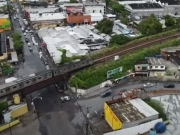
(158, 106)
(97, 74)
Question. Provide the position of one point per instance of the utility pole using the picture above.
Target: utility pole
(87, 122)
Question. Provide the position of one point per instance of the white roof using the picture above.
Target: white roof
(52, 49)
(96, 17)
(143, 107)
(47, 16)
(83, 46)
(40, 10)
(3, 3)
(69, 48)
(110, 15)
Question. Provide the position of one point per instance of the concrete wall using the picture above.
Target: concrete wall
(19, 111)
(6, 126)
(143, 128)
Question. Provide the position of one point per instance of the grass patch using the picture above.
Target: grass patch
(95, 75)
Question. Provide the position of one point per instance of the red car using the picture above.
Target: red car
(120, 93)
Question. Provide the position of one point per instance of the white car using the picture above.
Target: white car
(24, 34)
(29, 44)
(65, 98)
(47, 67)
(147, 85)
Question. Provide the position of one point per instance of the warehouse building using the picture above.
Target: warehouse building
(122, 114)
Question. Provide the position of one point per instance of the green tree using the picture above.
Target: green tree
(108, 2)
(18, 46)
(8, 9)
(64, 58)
(125, 20)
(158, 106)
(119, 39)
(16, 36)
(105, 26)
(150, 26)
(178, 23)
(118, 8)
(169, 21)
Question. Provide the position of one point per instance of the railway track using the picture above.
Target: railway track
(128, 49)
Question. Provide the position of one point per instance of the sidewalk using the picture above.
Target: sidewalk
(29, 126)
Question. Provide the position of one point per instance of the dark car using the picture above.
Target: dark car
(27, 40)
(169, 85)
(106, 93)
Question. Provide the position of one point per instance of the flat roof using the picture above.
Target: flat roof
(145, 6)
(41, 10)
(94, 4)
(155, 61)
(4, 16)
(132, 110)
(47, 16)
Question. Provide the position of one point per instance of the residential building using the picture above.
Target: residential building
(3, 3)
(78, 18)
(5, 23)
(172, 54)
(40, 20)
(156, 68)
(75, 7)
(95, 8)
(36, 4)
(145, 9)
(42, 10)
(96, 17)
(141, 68)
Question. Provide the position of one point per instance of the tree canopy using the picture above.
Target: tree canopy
(150, 26)
(74, 1)
(105, 26)
(119, 39)
(169, 21)
(18, 43)
(8, 9)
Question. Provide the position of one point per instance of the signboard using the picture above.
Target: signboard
(113, 72)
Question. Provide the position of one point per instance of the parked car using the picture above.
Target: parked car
(147, 85)
(169, 85)
(106, 93)
(65, 98)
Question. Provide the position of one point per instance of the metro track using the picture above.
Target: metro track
(127, 49)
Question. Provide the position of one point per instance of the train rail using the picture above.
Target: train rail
(128, 49)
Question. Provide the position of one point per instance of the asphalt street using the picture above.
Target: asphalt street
(96, 103)
(32, 62)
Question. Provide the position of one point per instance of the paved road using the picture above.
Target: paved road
(96, 103)
(32, 61)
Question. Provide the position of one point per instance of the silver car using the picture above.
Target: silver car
(147, 85)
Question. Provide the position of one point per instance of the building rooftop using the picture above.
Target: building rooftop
(170, 2)
(94, 4)
(47, 17)
(132, 110)
(41, 10)
(143, 61)
(145, 6)
(155, 61)
(4, 16)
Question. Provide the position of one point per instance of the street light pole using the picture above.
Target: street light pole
(10, 127)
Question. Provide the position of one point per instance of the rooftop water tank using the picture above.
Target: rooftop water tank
(152, 131)
(16, 99)
(160, 127)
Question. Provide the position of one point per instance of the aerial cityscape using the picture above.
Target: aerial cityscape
(85, 67)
